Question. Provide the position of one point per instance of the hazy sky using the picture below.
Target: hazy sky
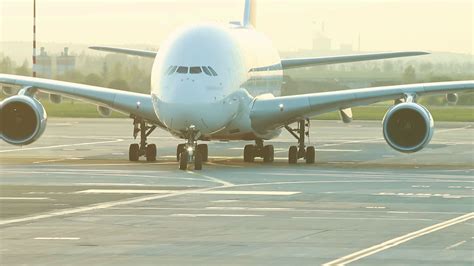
(383, 24)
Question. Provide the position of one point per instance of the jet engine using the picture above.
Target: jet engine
(408, 127)
(22, 120)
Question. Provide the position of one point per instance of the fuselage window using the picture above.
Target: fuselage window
(172, 70)
(183, 70)
(214, 73)
(206, 70)
(195, 70)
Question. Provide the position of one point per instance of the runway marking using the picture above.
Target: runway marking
(452, 129)
(57, 238)
(399, 240)
(247, 209)
(456, 244)
(62, 146)
(214, 215)
(224, 201)
(213, 179)
(361, 218)
(110, 184)
(22, 198)
(101, 206)
(283, 209)
(423, 195)
(58, 160)
(214, 192)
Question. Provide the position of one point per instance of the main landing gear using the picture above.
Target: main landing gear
(191, 152)
(143, 149)
(258, 150)
(301, 151)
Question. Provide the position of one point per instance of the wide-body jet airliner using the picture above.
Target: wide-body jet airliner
(221, 82)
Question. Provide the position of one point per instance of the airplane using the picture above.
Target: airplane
(218, 82)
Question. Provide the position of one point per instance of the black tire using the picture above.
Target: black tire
(183, 160)
(179, 150)
(198, 158)
(204, 150)
(310, 155)
(249, 153)
(150, 153)
(293, 155)
(268, 154)
(134, 152)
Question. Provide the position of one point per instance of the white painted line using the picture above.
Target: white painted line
(150, 191)
(110, 184)
(224, 201)
(359, 218)
(22, 198)
(57, 238)
(213, 215)
(337, 150)
(399, 240)
(247, 209)
(213, 179)
(456, 245)
(101, 206)
(62, 146)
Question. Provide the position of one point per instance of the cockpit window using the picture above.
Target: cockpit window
(172, 69)
(183, 70)
(195, 70)
(214, 73)
(206, 70)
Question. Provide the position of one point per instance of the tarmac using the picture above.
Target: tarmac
(73, 198)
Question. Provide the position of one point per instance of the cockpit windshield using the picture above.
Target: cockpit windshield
(209, 71)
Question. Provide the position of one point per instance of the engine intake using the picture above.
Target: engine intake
(22, 120)
(408, 127)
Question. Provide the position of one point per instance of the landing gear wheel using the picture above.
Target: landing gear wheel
(203, 150)
(293, 155)
(179, 150)
(183, 160)
(310, 155)
(268, 154)
(249, 153)
(134, 152)
(150, 153)
(198, 158)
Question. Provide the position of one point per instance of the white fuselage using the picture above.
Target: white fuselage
(207, 76)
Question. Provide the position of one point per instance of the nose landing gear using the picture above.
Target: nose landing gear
(191, 152)
(301, 151)
(135, 151)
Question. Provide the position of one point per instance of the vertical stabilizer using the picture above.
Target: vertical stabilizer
(250, 13)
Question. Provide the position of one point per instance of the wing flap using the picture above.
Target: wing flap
(327, 60)
(271, 113)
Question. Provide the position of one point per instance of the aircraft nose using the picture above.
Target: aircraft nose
(206, 111)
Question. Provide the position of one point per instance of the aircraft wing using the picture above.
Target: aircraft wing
(142, 53)
(327, 60)
(272, 113)
(122, 101)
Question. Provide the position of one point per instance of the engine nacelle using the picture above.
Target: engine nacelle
(22, 120)
(408, 127)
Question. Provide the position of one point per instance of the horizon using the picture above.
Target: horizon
(98, 22)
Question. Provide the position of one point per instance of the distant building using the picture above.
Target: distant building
(346, 47)
(321, 43)
(44, 65)
(65, 62)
